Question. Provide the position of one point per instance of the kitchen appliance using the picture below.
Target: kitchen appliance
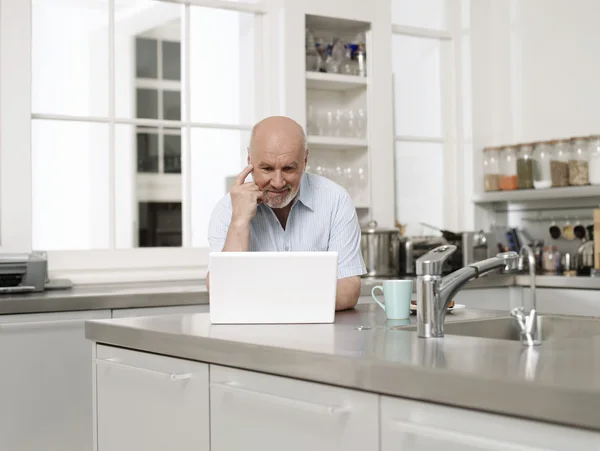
(272, 287)
(380, 249)
(476, 246)
(584, 257)
(23, 273)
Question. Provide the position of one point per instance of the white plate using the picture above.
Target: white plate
(413, 308)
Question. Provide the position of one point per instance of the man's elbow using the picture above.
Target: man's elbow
(348, 292)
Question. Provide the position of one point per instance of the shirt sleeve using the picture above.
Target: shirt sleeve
(345, 239)
(218, 225)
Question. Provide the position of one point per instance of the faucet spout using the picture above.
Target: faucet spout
(435, 292)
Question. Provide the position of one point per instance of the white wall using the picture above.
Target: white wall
(535, 72)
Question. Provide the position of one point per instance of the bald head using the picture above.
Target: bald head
(279, 134)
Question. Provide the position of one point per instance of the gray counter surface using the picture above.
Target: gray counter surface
(99, 297)
(556, 382)
(159, 294)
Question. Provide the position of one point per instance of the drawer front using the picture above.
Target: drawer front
(417, 426)
(273, 413)
(150, 402)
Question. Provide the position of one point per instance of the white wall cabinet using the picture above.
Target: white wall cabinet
(416, 426)
(150, 402)
(259, 412)
(46, 381)
(154, 311)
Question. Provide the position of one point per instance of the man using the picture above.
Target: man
(286, 209)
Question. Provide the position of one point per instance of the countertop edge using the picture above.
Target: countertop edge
(527, 401)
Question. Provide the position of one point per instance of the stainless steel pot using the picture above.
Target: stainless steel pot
(380, 251)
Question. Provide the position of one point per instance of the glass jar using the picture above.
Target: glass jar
(525, 166)
(559, 163)
(550, 260)
(542, 175)
(594, 152)
(578, 162)
(491, 169)
(508, 180)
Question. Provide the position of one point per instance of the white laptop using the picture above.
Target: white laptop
(272, 287)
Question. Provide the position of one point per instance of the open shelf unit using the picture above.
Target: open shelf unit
(337, 104)
(575, 192)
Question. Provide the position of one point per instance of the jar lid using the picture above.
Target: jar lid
(579, 138)
(593, 137)
(371, 228)
(563, 140)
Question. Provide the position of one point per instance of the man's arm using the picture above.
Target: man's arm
(345, 239)
(348, 292)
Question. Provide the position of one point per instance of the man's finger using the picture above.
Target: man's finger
(242, 175)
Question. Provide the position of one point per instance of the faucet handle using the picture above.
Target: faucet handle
(432, 262)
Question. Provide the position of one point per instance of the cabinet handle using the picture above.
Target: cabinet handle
(461, 438)
(313, 407)
(171, 376)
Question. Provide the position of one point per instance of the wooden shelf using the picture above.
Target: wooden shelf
(334, 82)
(577, 192)
(335, 143)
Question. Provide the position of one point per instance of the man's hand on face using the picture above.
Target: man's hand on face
(245, 197)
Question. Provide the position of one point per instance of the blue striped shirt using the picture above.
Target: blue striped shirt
(322, 218)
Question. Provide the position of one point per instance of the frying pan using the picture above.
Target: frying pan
(448, 235)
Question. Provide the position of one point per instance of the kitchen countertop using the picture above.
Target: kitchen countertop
(114, 296)
(160, 294)
(556, 382)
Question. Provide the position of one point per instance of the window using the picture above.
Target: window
(140, 114)
(424, 113)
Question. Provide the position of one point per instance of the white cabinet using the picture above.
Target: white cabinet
(417, 426)
(154, 311)
(150, 402)
(46, 381)
(254, 411)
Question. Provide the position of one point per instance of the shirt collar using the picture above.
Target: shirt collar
(305, 194)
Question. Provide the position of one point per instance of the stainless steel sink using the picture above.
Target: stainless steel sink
(553, 327)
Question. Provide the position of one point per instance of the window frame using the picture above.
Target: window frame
(451, 113)
(103, 265)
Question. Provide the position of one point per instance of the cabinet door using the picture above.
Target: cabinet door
(154, 311)
(418, 426)
(150, 402)
(46, 382)
(254, 411)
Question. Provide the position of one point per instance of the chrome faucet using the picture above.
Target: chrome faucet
(435, 292)
(528, 323)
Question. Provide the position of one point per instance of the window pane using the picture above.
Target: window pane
(218, 156)
(146, 58)
(147, 151)
(171, 60)
(147, 204)
(147, 103)
(172, 154)
(143, 20)
(69, 57)
(419, 184)
(172, 105)
(70, 191)
(417, 86)
(222, 80)
(423, 13)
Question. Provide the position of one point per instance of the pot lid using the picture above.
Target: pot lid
(372, 228)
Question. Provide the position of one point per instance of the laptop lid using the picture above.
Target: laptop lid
(272, 287)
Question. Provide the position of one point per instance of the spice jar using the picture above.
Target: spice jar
(542, 175)
(550, 259)
(578, 162)
(594, 151)
(525, 166)
(559, 163)
(491, 169)
(508, 180)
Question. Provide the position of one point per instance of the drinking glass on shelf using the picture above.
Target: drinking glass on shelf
(350, 124)
(311, 120)
(361, 123)
(338, 127)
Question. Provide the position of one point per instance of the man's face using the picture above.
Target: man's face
(278, 169)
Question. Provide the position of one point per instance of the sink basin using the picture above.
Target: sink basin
(553, 327)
